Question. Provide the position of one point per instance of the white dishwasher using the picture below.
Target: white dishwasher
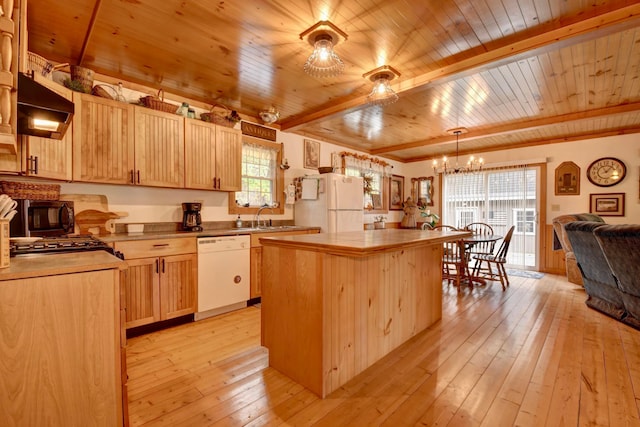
(223, 274)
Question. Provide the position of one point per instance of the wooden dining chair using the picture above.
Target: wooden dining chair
(480, 228)
(455, 266)
(445, 227)
(499, 259)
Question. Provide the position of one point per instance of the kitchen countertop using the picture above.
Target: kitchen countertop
(118, 237)
(363, 243)
(40, 265)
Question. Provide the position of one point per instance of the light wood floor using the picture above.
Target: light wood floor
(534, 355)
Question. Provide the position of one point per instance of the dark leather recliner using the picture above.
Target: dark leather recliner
(562, 242)
(621, 247)
(603, 293)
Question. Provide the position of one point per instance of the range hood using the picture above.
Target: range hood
(41, 111)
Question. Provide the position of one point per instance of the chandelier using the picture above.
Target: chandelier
(473, 165)
(382, 94)
(323, 61)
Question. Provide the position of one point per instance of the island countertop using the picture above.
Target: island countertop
(364, 243)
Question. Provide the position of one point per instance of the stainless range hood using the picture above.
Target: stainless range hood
(41, 111)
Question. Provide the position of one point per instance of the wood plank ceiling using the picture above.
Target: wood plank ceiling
(513, 72)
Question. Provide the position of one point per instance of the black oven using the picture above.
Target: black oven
(43, 218)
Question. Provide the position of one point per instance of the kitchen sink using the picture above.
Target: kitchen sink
(268, 228)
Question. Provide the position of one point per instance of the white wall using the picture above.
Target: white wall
(583, 153)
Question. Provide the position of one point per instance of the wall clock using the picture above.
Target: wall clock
(606, 171)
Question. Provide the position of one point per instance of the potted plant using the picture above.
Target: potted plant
(379, 222)
(429, 218)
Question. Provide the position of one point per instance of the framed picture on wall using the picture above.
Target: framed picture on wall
(422, 190)
(311, 154)
(607, 204)
(396, 192)
(567, 179)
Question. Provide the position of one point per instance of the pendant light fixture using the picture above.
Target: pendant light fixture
(323, 61)
(270, 116)
(382, 94)
(473, 165)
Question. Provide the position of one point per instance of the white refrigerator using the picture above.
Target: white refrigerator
(332, 202)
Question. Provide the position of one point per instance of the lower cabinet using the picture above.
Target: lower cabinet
(161, 282)
(61, 349)
(256, 258)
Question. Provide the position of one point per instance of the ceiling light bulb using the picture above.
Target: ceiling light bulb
(323, 62)
(382, 94)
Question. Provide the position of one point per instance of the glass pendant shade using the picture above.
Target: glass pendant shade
(323, 62)
(382, 94)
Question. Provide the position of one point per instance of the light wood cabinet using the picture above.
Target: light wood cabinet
(213, 156)
(229, 158)
(159, 148)
(255, 254)
(46, 157)
(161, 282)
(103, 144)
(61, 350)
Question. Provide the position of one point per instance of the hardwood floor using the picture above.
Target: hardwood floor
(534, 355)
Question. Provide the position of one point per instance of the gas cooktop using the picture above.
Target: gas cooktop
(77, 243)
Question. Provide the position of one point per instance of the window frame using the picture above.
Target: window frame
(524, 221)
(384, 186)
(278, 181)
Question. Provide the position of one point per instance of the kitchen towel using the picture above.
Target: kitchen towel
(309, 189)
(290, 194)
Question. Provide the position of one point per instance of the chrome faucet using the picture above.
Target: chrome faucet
(256, 219)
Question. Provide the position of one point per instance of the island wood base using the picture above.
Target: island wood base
(327, 317)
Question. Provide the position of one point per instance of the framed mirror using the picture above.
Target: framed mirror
(422, 190)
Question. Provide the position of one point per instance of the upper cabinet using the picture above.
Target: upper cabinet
(213, 156)
(159, 148)
(46, 157)
(103, 149)
(229, 158)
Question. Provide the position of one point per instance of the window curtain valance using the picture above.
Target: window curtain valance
(360, 162)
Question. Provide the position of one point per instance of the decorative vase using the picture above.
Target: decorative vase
(378, 225)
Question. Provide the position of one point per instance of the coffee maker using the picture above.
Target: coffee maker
(191, 219)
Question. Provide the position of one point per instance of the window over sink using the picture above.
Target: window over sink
(262, 178)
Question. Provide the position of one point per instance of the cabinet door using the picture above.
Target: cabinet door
(46, 157)
(229, 158)
(178, 285)
(142, 291)
(159, 148)
(256, 272)
(102, 140)
(200, 154)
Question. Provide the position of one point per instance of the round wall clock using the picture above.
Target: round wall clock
(606, 171)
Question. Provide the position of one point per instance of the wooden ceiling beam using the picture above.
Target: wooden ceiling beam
(590, 28)
(87, 37)
(512, 127)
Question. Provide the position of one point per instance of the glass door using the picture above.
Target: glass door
(501, 198)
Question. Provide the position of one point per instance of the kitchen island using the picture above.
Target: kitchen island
(334, 304)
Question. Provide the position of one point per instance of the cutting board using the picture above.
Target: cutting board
(92, 221)
(92, 202)
(83, 202)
